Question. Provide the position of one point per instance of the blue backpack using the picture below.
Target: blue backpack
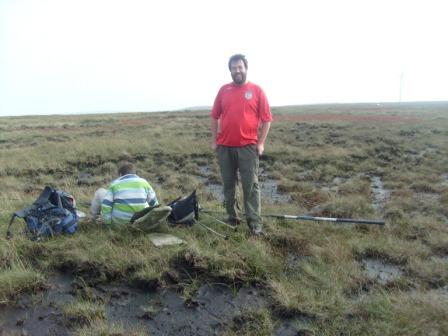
(54, 212)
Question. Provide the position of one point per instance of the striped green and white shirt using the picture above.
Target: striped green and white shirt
(125, 196)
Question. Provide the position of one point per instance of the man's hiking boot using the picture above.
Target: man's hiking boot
(233, 221)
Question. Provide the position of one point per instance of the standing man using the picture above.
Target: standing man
(240, 121)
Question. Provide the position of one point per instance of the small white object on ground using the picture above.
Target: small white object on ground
(162, 239)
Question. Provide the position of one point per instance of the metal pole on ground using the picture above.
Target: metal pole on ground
(312, 218)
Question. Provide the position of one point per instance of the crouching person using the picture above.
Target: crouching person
(126, 197)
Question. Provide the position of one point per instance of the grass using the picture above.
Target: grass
(84, 313)
(17, 280)
(325, 158)
(256, 323)
(100, 328)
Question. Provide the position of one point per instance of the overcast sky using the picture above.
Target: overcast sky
(61, 56)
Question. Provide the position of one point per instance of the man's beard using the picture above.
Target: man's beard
(239, 78)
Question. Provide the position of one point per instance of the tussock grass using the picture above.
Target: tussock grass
(101, 328)
(18, 279)
(225, 260)
(315, 291)
(256, 323)
(400, 314)
(96, 255)
(444, 199)
(394, 250)
(432, 272)
(83, 312)
(347, 207)
(8, 253)
(356, 186)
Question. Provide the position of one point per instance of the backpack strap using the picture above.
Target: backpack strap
(44, 196)
(22, 213)
(8, 232)
(58, 201)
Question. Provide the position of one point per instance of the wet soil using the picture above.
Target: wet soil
(268, 187)
(380, 194)
(163, 312)
(39, 314)
(380, 271)
(445, 179)
(269, 190)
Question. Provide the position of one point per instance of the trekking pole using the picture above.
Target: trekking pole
(312, 218)
(339, 220)
(234, 228)
(211, 230)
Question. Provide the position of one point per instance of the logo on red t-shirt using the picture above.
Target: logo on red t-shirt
(248, 95)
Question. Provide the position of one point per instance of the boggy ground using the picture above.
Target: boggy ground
(213, 308)
(386, 161)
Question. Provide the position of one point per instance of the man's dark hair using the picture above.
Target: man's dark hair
(125, 168)
(238, 57)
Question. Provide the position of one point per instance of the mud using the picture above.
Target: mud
(268, 187)
(214, 188)
(380, 194)
(165, 312)
(269, 190)
(39, 314)
(380, 271)
(445, 180)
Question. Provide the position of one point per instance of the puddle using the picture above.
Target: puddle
(380, 271)
(445, 180)
(164, 312)
(216, 191)
(442, 292)
(269, 192)
(213, 188)
(380, 195)
(268, 187)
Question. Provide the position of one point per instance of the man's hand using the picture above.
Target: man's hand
(264, 129)
(214, 129)
(260, 149)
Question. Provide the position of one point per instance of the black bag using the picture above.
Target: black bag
(185, 210)
(54, 212)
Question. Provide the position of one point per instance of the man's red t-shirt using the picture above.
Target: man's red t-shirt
(239, 110)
